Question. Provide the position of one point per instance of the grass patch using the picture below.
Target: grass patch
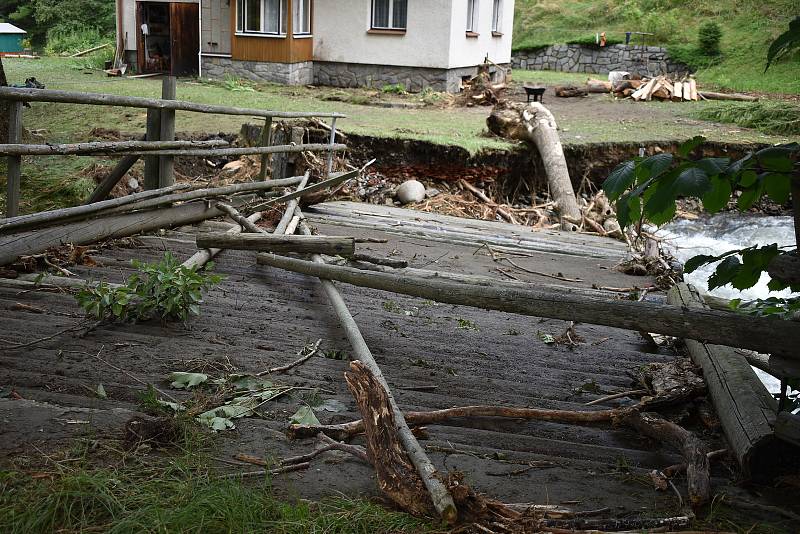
(177, 500)
(777, 118)
(552, 77)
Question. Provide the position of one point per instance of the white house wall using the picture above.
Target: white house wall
(340, 34)
(467, 51)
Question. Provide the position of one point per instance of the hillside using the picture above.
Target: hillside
(748, 27)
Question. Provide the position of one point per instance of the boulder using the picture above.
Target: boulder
(410, 191)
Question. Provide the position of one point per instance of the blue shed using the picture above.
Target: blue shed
(11, 38)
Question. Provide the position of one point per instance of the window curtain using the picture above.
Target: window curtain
(399, 13)
(301, 16)
(272, 14)
(497, 15)
(380, 13)
(471, 15)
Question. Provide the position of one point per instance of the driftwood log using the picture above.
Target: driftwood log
(535, 124)
(313, 244)
(758, 333)
(710, 95)
(13, 246)
(47, 218)
(746, 410)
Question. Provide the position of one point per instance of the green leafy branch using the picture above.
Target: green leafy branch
(167, 289)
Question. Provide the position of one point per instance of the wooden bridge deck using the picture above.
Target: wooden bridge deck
(260, 317)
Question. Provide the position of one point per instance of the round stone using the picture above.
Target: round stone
(410, 191)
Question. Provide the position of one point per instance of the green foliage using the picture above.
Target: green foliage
(47, 20)
(187, 496)
(709, 36)
(778, 118)
(232, 83)
(397, 89)
(72, 40)
(786, 43)
(646, 188)
(165, 289)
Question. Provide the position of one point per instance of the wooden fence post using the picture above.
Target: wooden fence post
(166, 166)
(266, 139)
(151, 162)
(14, 174)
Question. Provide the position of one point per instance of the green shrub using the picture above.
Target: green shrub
(397, 88)
(708, 38)
(74, 40)
(663, 25)
(165, 289)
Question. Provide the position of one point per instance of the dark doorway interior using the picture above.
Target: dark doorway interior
(168, 37)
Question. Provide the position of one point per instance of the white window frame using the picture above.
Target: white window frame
(497, 16)
(391, 25)
(303, 4)
(473, 10)
(241, 19)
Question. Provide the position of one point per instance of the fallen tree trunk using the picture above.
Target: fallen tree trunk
(745, 408)
(85, 232)
(710, 95)
(46, 218)
(534, 123)
(313, 244)
(759, 333)
(104, 148)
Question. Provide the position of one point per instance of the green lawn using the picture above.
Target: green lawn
(748, 27)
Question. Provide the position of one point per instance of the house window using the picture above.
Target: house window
(301, 17)
(472, 16)
(497, 16)
(389, 14)
(261, 16)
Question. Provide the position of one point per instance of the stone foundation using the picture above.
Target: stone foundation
(642, 60)
(413, 79)
(286, 73)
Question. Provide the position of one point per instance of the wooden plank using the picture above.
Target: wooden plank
(151, 165)
(14, 163)
(758, 333)
(103, 148)
(314, 244)
(101, 99)
(746, 409)
(166, 163)
(127, 224)
(243, 151)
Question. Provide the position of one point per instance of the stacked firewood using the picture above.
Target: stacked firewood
(659, 88)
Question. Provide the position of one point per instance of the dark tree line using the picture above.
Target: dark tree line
(42, 17)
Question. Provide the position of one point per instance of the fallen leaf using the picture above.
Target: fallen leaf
(186, 380)
(304, 416)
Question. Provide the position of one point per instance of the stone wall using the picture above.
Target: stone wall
(642, 60)
(286, 73)
(414, 79)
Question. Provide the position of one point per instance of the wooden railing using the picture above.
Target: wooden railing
(158, 146)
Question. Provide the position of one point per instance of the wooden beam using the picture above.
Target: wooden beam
(101, 99)
(242, 151)
(266, 140)
(14, 163)
(759, 333)
(745, 408)
(86, 232)
(46, 218)
(314, 244)
(151, 167)
(166, 164)
(103, 148)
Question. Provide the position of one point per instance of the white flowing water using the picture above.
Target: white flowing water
(720, 233)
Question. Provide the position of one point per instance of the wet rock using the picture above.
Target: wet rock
(410, 191)
(432, 192)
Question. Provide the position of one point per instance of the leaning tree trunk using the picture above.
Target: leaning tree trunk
(534, 123)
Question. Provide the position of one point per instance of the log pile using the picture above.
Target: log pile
(663, 88)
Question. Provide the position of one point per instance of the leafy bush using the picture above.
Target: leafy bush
(70, 41)
(778, 118)
(708, 37)
(166, 289)
(397, 89)
(663, 25)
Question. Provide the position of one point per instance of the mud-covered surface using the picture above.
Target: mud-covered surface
(260, 317)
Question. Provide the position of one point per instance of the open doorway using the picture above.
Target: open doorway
(167, 37)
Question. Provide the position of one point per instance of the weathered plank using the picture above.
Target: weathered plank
(759, 333)
(102, 148)
(746, 409)
(101, 99)
(314, 244)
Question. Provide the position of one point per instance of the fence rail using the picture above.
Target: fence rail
(158, 146)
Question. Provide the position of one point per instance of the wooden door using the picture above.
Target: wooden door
(184, 38)
(140, 63)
